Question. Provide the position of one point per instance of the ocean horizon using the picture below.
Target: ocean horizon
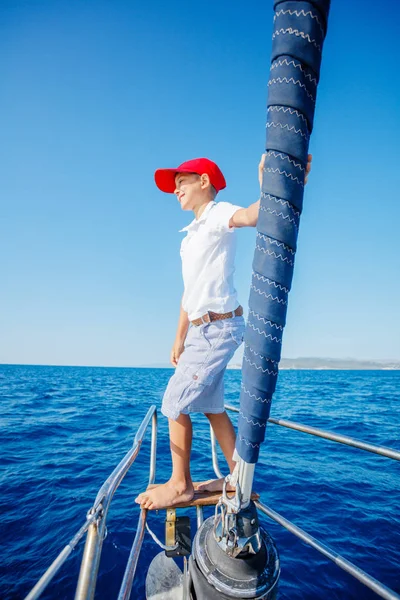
(300, 363)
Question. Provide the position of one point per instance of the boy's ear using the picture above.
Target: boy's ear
(205, 180)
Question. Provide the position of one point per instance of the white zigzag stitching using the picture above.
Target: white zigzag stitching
(265, 321)
(294, 81)
(274, 298)
(274, 212)
(270, 282)
(266, 335)
(298, 33)
(270, 253)
(246, 391)
(260, 355)
(280, 201)
(259, 368)
(251, 420)
(292, 128)
(284, 156)
(285, 109)
(285, 61)
(285, 173)
(300, 13)
(273, 242)
(242, 439)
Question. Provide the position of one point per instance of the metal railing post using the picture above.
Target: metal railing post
(91, 558)
(130, 569)
(90, 562)
(127, 582)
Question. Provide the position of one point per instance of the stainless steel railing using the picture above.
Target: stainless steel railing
(329, 435)
(96, 519)
(130, 570)
(369, 581)
(91, 555)
(129, 575)
(62, 557)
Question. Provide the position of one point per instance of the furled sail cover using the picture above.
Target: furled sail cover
(298, 35)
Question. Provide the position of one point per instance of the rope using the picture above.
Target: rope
(157, 541)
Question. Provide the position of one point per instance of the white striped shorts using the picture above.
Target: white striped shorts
(197, 384)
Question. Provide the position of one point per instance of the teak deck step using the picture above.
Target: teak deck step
(201, 498)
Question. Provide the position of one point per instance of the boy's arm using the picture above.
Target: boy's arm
(181, 332)
(247, 217)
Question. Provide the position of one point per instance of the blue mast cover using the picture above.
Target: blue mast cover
(297, 40)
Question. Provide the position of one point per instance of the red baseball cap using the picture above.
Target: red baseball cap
(165, 178)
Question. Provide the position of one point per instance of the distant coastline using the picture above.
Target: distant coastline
(338, 364)
(316, 364)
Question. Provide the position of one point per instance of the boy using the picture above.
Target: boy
(211, 309)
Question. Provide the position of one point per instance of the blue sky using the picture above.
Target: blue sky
(96, 95)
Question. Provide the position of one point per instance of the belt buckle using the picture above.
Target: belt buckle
(206, 315)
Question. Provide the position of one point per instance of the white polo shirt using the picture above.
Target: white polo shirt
(208, 254)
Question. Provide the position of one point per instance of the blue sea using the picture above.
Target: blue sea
(64, 429)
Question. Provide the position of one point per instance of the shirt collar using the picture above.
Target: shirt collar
(203, 217)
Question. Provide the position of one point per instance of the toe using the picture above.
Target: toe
(202, 487)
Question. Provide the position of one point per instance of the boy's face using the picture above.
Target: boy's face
(191, 189)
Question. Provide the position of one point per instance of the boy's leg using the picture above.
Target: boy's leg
(180, 487)
(225, 434)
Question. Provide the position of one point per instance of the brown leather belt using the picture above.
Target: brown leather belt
(212, 316)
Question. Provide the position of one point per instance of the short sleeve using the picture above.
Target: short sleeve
(222, 214)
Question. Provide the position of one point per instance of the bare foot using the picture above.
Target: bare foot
(165, 495)
(214, 485)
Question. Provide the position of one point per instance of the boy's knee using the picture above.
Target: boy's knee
(211, 416)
